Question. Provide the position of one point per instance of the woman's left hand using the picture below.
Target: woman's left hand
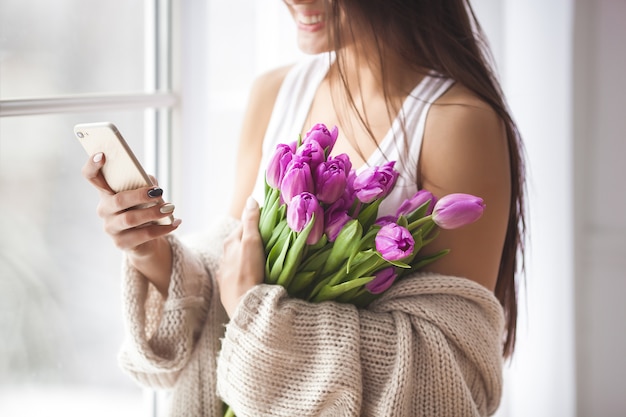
(243, 262)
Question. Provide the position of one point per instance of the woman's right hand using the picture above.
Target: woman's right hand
(132, 229)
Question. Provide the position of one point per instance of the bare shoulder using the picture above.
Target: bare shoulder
(465, 150)
(256, 118)
(267, 84)
(464, 139)
(263, 94)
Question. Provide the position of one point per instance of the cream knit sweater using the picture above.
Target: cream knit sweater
(430, 346)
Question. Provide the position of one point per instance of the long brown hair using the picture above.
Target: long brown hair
(444, 36)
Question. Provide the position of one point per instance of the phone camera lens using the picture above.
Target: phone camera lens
(80, 134)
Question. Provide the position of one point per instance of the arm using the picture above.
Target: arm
(162, 332)
(465, 150)
(430, 346)
(164, 329)
(131, 228)
(145, 245)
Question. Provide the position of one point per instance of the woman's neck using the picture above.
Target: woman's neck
(368, 77)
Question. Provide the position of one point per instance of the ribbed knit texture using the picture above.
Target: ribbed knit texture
(430, 346)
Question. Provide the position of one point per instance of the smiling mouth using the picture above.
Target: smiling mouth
(310, 20)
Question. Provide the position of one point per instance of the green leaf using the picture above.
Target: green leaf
(369, 214)
(300, 281)
(431, 235)
(321, 244)
(350, 296)
(276, 258)
(315, 261)
(419, 212)
(422, 262)
(346, 244)
(323, 282)
(270, 216)
(294, 256)
(400, 264)
(402, 221)
(369, 239)
(280, 233)
(365, 264)
(329, 292)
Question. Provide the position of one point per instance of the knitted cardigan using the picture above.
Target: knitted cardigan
(430, 346)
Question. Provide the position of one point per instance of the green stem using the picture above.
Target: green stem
(417, 223)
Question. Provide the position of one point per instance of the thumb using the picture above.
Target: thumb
(250, 219)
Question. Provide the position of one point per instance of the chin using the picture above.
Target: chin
(313, 48)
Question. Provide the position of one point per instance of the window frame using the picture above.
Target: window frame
(159, 100)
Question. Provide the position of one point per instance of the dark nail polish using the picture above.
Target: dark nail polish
(155, 192)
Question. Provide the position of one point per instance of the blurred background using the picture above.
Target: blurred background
(173, 75)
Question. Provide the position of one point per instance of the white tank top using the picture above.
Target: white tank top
(294, 101)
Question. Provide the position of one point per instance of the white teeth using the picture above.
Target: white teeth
(310, 19)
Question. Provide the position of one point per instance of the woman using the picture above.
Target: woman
(406, 81)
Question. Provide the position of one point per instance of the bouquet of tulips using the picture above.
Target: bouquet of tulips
(322, 234)
(320, 226)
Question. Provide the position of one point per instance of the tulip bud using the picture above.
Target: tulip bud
(330, 180)
(394, 242)
(418, 199)
(334, 221)
(375, 182)
(382, 221)
(302, 209)
(311, 153)
(319, 133)
(278, 165)
(382, 281)
(297, 179)
(456, 210)
(345, 159)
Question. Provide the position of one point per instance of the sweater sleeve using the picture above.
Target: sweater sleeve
(161, 333)
(430, 346)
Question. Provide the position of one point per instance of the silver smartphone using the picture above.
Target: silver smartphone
(121, 168)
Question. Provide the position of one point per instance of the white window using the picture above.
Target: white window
(173, 75)
(63, 63)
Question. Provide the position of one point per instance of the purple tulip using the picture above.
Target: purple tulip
(312, 153)
(300, 212)
(456, 210)
(345, 159)
(278, 165)
(382, 221)
(383, 281)
(297, 179)
(418, 199)
(349, 194)
(330, 179)
(375, 182)
(320, 134)
(394, 242)
(335, 218)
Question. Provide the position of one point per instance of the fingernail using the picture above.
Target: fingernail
(167, 208)
(97, 157)
(176, 222)
(155, 192)
(251, 203)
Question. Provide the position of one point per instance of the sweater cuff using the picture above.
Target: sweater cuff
(190, 283)
(161, 332)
